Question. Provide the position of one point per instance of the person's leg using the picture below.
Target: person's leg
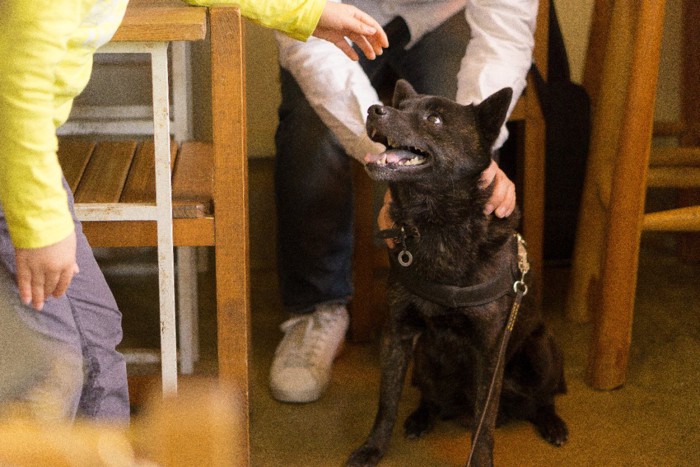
(40, 360)
(313, 188)
(314, 247)
(83, 326)
(98, 321)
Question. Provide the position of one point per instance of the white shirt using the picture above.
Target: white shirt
(499, 54)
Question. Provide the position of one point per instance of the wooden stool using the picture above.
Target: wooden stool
(125, 197)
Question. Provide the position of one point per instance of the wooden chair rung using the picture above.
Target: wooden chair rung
(680, 156)
(669, 127)
(685, 219)
(673, 177)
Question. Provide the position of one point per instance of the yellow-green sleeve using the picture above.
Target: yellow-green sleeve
(46, 49)
(31, 37)
(296, 18)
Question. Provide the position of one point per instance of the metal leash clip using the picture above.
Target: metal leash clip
(519, 286)
(404, 257)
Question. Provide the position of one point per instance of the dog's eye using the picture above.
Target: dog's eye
(435, 119)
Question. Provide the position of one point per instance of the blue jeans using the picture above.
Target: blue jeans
(313, 182)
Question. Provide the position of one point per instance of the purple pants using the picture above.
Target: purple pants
(80, 332)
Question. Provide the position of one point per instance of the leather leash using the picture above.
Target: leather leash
(520, 289)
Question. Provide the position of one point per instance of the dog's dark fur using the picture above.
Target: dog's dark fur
(455, 353)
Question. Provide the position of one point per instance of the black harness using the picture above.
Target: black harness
(501, 284)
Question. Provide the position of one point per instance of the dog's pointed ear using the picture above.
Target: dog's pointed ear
(491, 113)
(403, 90)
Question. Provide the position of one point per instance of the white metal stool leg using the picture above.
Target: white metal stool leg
(187, 308)
(187, 312)
(164, 212)
(161, 213)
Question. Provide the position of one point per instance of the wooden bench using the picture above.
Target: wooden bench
(158, 193)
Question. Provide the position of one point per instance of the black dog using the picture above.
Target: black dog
(451, 286)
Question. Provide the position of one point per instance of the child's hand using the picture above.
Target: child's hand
(502, 200)
(47, 271)
(339, 21)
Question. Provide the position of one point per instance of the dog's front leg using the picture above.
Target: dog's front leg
(395, 353)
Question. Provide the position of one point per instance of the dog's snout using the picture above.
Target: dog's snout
(378, 110)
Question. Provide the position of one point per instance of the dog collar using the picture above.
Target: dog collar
(507, 281)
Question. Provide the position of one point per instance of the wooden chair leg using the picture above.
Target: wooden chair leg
(532, 165)
(232, 263)
(613, 329)
(584, 283)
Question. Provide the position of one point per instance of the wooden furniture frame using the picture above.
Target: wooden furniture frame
(370, 263)
(219, 170)
(622, 73)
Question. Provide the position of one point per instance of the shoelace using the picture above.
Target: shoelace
(304, 355)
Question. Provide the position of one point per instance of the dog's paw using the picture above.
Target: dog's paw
(417, 424)
(551, 427)
(365, 456)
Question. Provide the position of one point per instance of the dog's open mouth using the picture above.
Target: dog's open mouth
(397, 155)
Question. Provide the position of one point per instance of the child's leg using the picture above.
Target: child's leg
(98, 321)
(42, 376)
(84, 322)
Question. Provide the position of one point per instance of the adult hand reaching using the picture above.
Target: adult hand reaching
(339, 21)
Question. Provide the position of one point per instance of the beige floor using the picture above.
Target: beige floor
(653, 421)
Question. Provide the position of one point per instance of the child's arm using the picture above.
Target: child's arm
(299, 19)
(339, 21)
(32, 42)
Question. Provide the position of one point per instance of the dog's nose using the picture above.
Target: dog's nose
(378, 110)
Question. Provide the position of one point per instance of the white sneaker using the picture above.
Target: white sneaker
(301, 369)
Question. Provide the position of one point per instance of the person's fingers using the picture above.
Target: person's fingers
(384, 220)
(488, 175)
(51, 280)
(498, 196)
(368, 26)
(503, 197)
(364, 46)
(343, 45)
(378, 37)
(24, 283)
(64, 281)
(38, 292)
(507, 207)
